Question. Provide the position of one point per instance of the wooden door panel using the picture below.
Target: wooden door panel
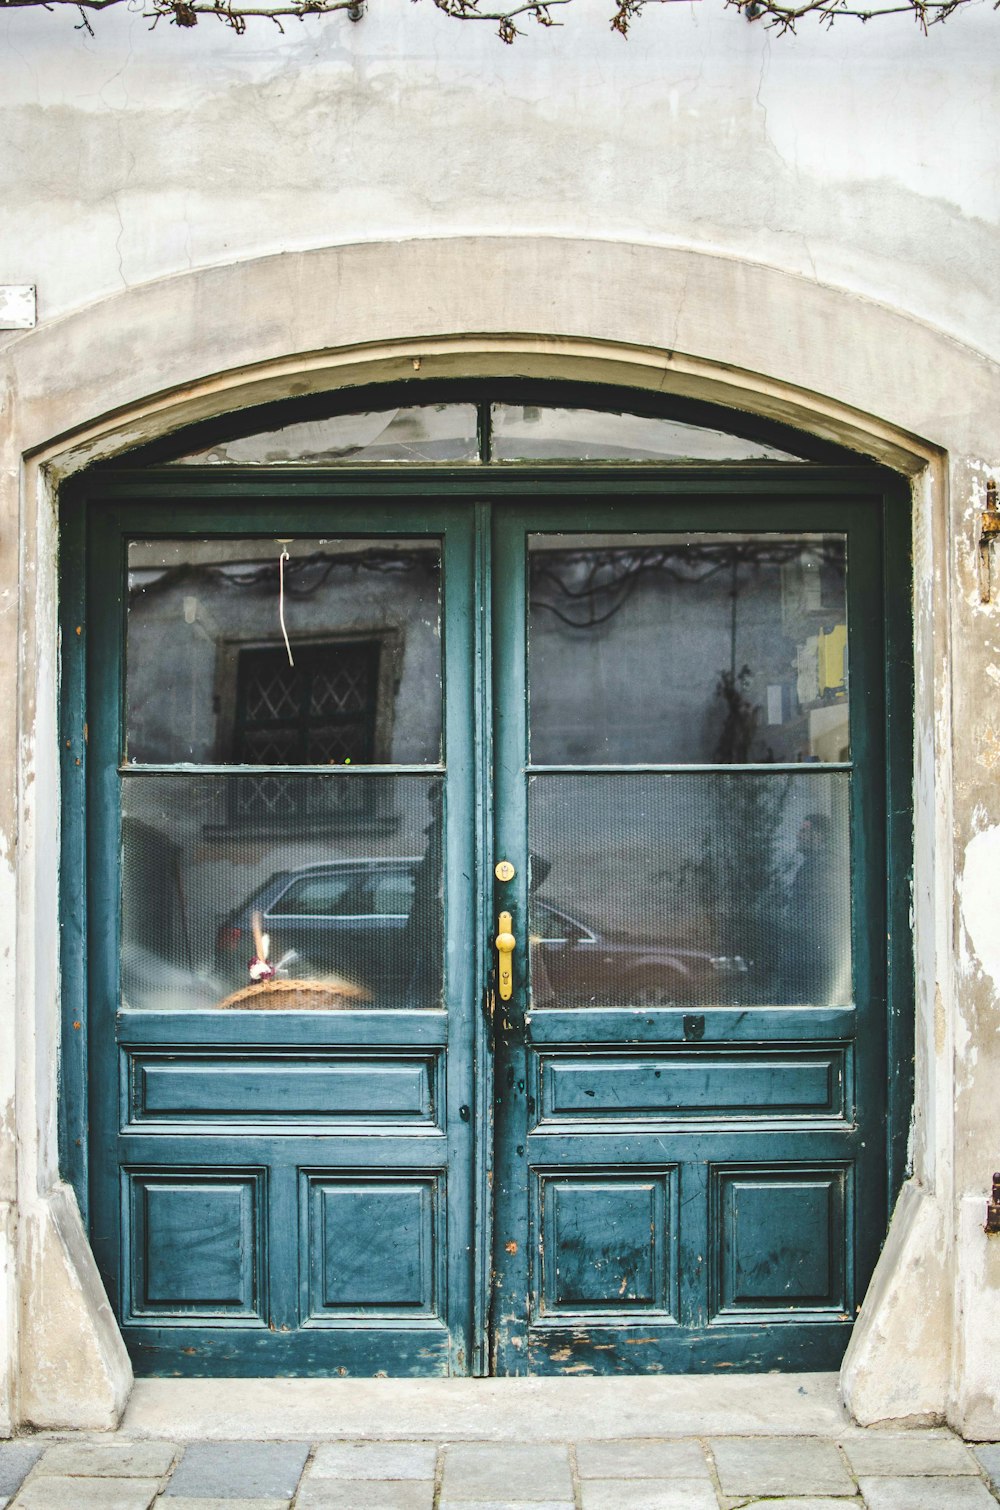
(688, 1108)
(666, 1088)
(282, 1184)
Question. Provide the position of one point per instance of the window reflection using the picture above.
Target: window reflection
(701, 649)
(693, 889)
(527, 432)
(209, 678)
(343, 874)
(420, 433)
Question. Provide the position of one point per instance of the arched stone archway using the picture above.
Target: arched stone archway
(157, 358)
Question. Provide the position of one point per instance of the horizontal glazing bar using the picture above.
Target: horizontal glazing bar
(696, 1026)
(367, 1029)
(281, 770)
(810, 768)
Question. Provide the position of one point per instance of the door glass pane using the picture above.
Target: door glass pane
(424, 433)
(687, 649)
(698, 889)
(342, 871)
(525, 432)
(208, 678)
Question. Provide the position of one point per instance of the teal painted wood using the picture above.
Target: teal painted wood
(232, 1172)
(664, 1241)
(73, 751)
(485, 1036)
(238, 1230)
(897, 577)
(413, 485)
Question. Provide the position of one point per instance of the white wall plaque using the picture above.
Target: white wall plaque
(17, 306)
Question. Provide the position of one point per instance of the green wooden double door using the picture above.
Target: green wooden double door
(321, 1141)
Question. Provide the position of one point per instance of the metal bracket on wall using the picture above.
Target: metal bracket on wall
(993, 1207)
(989, 529)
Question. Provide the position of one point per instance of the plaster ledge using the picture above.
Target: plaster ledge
(75, 1371)
(897, 1364)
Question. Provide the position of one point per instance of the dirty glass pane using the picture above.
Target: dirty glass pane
(525, 432)
(430, 432)
(700, 889)
(687, 649)
(208, 678)
(342, 871)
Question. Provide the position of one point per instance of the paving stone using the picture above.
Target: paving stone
(937, 1493)
(801, 1504)
(366, 1494)
(475, 1470)
(16, 1461)
(508, 1505)
(98, 1460)
(373, 1460)
(640, 1460)
(55, 1492)
(238, 1470)
(780, 1465)
(904, 1453)
(647, 1494)
(988, 1454)
(175, 1503)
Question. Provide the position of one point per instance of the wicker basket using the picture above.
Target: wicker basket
(296, 996)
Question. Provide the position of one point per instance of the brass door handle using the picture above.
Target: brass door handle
(505, 942)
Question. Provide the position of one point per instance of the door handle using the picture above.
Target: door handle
(505, 942)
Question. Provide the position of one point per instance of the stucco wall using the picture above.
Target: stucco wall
(804, 227)
(863, 157)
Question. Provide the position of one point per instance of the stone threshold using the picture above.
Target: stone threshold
(485, 1410)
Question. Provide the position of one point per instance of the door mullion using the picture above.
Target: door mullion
(483, 1181)
(512, 1241)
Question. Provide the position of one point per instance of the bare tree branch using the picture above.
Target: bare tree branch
(784, 15)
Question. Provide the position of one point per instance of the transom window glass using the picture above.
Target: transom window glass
(526, 432)
(424, 433)
(487, 432)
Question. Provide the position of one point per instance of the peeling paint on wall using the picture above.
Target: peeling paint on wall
(977, 893)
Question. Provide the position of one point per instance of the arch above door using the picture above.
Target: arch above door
(89, 387)
(802, 515)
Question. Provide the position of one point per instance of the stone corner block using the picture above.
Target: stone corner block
(75, 1371)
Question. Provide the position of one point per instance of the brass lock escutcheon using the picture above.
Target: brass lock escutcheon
(505, 948)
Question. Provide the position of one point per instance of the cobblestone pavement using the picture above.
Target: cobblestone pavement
(874, 1470)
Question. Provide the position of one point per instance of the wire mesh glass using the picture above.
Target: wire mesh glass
(209, 679)
(696, 649)
(699, 889)
(343, 873)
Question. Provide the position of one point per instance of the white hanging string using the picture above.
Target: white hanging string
(281, 602)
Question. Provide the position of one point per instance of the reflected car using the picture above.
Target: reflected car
(344, 918)
(354, 918)
(575, 965)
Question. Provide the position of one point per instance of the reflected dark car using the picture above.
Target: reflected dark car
(357, 919)
(576, 965)
(351, 918)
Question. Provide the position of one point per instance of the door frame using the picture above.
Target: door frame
(480, 487)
